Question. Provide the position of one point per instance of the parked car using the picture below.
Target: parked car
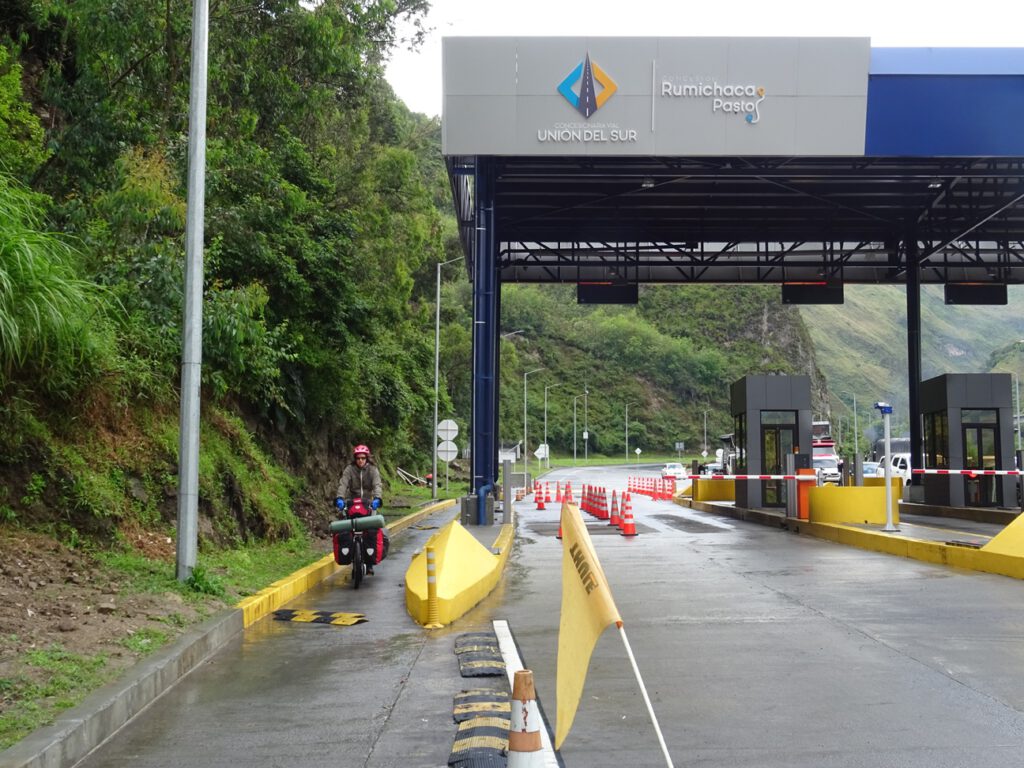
(674, 469)
(713, 468)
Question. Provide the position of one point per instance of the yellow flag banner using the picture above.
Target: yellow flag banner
(587, 610)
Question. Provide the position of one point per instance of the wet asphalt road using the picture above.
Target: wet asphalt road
(758, 647)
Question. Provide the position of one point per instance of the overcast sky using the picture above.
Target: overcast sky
(416, 77)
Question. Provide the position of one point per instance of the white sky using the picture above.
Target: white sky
(416, 77)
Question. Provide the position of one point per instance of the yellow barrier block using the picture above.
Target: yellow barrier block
(466, 572)
(853, 504)
(714, 490)
(1009, 541)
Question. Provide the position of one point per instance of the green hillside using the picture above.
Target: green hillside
(861, 345)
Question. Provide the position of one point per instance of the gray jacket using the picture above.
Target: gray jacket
(360, 483)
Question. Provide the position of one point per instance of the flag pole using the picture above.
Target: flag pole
(647, 699)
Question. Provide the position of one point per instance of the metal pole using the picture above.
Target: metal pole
(889, 527)
(437, 375)
(548, 455)
(632, 402)
(586, 426)
(526, 460)
(856, 432)
(574, 429)
(192, 331)
(705, 431)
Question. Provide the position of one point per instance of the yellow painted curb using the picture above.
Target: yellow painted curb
(269, 599)
(466, 572)
(998, 562)
(918, 549)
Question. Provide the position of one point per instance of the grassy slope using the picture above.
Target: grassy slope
(862, 344)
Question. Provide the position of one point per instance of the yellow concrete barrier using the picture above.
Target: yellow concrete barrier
(466, 572)
(853, 504)
(714, 490)
(1009, 541)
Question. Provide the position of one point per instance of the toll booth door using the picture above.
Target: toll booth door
(777, 441)
(980, 453)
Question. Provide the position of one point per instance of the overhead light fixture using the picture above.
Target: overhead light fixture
(935, 185)
(647, 182)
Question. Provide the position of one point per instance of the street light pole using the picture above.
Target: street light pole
(526, 454)
(574, 427)
(586, 426)
(547, 456)
(437, 370)
(631, 402)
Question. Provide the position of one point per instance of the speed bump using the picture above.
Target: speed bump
(320, 617)
(479, 655)
(482, 737)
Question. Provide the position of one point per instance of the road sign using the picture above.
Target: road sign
(637, 451)
(542, 451)
(680, 446)
(704, 454)
(586, 435)
(447, 450)
(447, 430)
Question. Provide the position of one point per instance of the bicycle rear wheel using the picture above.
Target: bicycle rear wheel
(357, 562)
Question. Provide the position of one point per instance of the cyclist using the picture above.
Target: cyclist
(361, 479)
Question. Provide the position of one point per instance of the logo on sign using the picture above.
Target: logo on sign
(585, 99)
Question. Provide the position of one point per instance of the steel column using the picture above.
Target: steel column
(485, 337)
(914, 353)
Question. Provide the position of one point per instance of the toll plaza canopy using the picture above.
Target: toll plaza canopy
(816, 161)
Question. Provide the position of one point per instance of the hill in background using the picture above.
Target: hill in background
(861, 345)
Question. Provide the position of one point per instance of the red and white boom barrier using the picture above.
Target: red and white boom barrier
(969, 472)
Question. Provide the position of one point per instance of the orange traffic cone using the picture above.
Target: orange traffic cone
(558, 492)
(628, 526)
(524, 744)
(615, 519)
(568, 492)
(547, 493)
(539, 495)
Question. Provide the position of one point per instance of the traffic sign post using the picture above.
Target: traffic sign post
(637, 452)
(447, 451)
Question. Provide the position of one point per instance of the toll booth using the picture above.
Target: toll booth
(771, 418)
(968, 424)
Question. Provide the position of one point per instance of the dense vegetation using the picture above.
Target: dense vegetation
(326, 215)
(323, 223)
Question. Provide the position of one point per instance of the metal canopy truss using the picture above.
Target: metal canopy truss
(751, 219)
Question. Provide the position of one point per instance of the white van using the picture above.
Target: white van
(899, 467)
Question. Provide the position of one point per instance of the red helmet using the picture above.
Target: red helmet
(361, 449)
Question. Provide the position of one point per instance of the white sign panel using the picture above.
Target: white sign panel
(447, 430)
(447, 450)
(655, 96)
(542, 451)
